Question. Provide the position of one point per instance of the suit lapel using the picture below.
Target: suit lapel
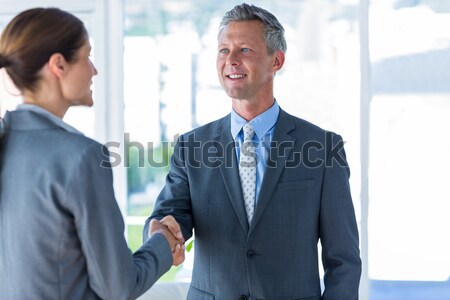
(230, 173)
(282, 145)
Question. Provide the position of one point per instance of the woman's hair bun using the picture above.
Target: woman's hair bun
(3, 61)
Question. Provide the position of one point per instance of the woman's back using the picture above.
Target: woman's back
(41, 174)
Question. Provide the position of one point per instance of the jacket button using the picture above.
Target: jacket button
(250, 254)
(243, 297)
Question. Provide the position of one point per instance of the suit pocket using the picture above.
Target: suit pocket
(295, 185)
(196, 294)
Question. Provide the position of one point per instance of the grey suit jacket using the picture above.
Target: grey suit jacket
(304, 197)
(61, 231)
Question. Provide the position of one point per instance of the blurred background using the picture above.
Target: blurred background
(377, 72)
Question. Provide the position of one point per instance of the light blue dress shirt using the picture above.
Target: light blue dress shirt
(264, 125)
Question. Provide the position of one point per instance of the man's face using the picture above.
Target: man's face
(245, 68)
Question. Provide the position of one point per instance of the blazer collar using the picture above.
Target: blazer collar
(30, 119)
(280, 149)
(282, 145)
(230, 172)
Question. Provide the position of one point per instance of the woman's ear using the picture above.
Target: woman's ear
(57, 64)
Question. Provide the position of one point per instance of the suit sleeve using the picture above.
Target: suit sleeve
(175, 198)
(338, 228)
(114, 272)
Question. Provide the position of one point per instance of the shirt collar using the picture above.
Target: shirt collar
(261, 123)
(48, 115)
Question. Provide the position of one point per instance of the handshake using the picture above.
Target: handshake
(171, 230)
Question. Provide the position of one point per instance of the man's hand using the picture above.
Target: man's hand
(169, 227)
(174, 227)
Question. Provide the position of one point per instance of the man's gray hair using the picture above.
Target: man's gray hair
(273, 30)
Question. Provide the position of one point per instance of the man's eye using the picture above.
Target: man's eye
(245, 50)
(224, 51)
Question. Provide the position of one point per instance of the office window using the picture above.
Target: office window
(408, 222)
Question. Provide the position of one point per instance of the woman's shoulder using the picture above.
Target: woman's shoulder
(82, 146)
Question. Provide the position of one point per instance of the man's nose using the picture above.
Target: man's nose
(233, 59)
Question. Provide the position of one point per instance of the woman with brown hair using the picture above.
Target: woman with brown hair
(61, 231)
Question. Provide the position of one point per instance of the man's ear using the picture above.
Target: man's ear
(278, 61)
(57, 64)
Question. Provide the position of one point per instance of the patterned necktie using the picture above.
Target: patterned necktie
(247, 170)
(2, 127)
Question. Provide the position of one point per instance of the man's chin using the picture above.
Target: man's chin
(236, 95)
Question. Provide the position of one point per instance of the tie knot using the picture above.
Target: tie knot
(249, 132)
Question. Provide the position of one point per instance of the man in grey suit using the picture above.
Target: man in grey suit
(261, 187)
